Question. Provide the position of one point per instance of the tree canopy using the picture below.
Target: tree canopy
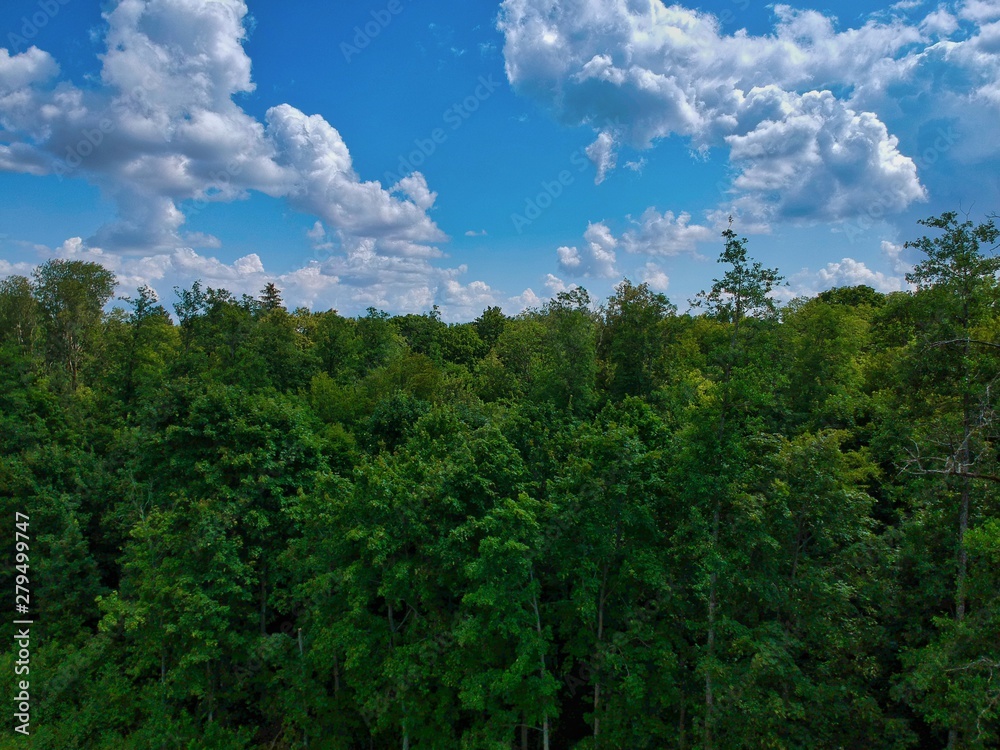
(590, 525)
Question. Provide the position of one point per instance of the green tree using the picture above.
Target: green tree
(146, 343)
(19, 314)
(566, 375)
(71, 295)
(490, 325)
(953, 362)
(632, 338)
(739, 301)
(270, 298)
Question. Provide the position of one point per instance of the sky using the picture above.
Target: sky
(401, 154)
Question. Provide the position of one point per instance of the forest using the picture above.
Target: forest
(597, 524)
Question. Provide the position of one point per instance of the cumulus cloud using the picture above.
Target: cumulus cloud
(11, 269)
(162, 271)
(820, 160)
(893, 254)
(850, 272)
(940, 22)
(845, 272)
(603, 154)
(979, 10)
(162, 135)
(350, 282)
(655, 277)
(797, 108)
(556, 285)
(596, 259)
(652, 234)
(26, 69)
(526, 300)
(325, 184)
(664, 234)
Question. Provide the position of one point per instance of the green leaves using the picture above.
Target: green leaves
(580, 527)
(71, 295)
(744, 291)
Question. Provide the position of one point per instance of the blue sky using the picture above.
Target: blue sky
(402, 154)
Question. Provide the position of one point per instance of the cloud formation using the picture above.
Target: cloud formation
(596, 259)
(164, 138)
(852, 272)
(664, 234)
(163, 129)
(652, 234)
(797, 109)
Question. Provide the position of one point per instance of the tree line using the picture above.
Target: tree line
(585, 526)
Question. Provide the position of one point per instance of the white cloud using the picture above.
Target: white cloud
(797, 108)
(845, 272)
(162, 130)
(349, 281)
(556, 285)
(979, 10)
(603, 154)
(664, 234)
(524, 301)
(820, 160)
(317, 233)
(202, 240)
(162, 136)
(850, 272)
(652, 234)
(465, 302)
(894, 256)
(327, 186)
(597, 259)
(569, 259)
(655, 277)
(11, 269)
(31, 67)
(414, 186)
(940, 23)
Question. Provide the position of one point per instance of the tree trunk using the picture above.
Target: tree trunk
(392, 646)
(542, 671)
(682, 727)
(965, 464)
(710, 645)
(336, 675)
(963, 512)
(263, 602)
(599, 660)
(963, 561)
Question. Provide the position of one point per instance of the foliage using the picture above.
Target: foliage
(584, 526)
